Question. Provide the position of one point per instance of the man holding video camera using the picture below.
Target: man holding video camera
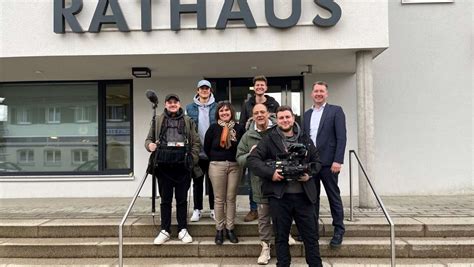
(286, 159)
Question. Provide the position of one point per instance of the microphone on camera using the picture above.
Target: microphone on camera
(151, 95)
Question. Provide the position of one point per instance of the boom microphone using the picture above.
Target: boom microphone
(151, 95)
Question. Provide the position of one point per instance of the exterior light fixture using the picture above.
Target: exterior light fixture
(141, 72)
(307, 72)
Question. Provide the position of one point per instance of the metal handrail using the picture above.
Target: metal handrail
(125, 218)
(379, 200)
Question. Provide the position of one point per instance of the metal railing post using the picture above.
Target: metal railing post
(125, 218)
(392, 243)
(379, 200)
(351, 203)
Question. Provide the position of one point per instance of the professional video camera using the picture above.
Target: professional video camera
(292, 164)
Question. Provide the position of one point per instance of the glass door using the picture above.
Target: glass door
(285, 90)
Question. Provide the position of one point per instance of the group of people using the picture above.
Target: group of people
(210, 144)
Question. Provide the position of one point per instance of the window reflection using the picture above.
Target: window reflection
(51, 127)
(118, 125)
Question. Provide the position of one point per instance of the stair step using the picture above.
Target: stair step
(371, 247)
(232, 262)
(146, 227)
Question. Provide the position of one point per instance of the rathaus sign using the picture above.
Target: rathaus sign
(68, 14)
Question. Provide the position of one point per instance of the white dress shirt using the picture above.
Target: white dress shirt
(315, 120)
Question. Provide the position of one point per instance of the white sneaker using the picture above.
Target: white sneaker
(291, 241)
(212, 215)
(162, 237)
(185, 236)
(196, 216)
(265, 254)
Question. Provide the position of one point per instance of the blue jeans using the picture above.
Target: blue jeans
(253, 204)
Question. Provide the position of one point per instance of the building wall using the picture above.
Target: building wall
(424, 100)
(423, 86)
(34, 19)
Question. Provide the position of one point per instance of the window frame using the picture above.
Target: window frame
(81, 152)
(426, 1)
(30, 161)
(56, 114)
(83, 110)
(102, 173)
(24, 112)
(56, 154)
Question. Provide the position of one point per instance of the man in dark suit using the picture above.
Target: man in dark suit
(326, 124)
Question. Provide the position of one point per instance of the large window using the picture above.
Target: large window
(23, 115)
(118, 126)
(80, 156)
(53, 115)
(83, 114)
(52, 157)
(67, 128)
(26, 157)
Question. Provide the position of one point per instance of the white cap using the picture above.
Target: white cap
(204, 83)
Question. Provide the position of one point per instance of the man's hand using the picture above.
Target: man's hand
(336, 167)
(303, 178)
(152, 147)
(277, 176)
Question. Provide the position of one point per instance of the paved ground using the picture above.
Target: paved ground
(411, 206)
(438, 208)
(235, 262)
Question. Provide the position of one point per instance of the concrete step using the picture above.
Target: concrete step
(373, 247)
(232, 262)
(146, 227)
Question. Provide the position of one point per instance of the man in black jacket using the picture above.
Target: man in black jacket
(288, 199)
(260, 88)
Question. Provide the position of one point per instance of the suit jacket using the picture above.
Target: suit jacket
(331, 138)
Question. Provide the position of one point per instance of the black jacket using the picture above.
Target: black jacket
(212, 139)
(248, 105)
(267, 149)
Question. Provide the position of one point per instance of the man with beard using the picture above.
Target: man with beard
(176, 145)
(293, 199)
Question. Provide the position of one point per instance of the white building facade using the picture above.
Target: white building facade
(76, 118)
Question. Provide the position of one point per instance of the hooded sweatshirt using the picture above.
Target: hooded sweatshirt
(202, 116)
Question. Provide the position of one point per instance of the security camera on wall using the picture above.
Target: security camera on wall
(2, 99)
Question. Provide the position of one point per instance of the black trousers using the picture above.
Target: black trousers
(198, 186)
(299, 208)
(329, 180)
(177, 180)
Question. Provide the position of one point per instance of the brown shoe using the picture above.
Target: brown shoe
(251, 216)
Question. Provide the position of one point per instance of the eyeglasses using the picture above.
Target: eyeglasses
(227, 102)
(204, 88)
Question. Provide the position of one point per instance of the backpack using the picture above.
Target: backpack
(171, 156)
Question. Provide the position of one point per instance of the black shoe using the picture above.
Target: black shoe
(232, 237)
(219, 237)
(336, 240)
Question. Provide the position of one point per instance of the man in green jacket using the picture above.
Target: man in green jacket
(261, 121)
